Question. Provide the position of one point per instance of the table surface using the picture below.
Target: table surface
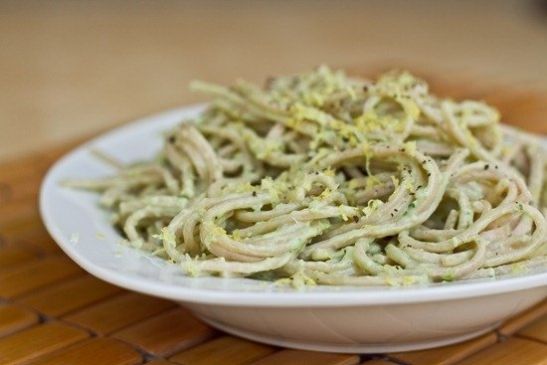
(70, 68)
(51, 312)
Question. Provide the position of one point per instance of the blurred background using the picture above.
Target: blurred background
(72, 68)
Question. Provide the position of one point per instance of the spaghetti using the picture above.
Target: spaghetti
(323, 178)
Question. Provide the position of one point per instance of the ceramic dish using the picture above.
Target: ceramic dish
(340, 319)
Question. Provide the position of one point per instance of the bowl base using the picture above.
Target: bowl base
(372, 348)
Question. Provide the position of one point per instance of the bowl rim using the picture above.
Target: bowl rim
(291, 298)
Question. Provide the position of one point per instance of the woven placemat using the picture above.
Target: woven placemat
(52, 312)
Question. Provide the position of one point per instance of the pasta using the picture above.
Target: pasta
(321, 178)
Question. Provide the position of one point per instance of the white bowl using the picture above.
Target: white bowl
(339, 319)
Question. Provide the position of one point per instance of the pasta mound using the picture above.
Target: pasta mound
(322, 178)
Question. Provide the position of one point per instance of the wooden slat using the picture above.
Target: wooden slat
(16, 227)
(20, 169)
(227, 350)
(448, 354)
(20, 179)
(378, 362)
(29, 232)
(522, 108)
(511, 352)
(41, 243)
(22, 227)
(96, 351)
(11, 212)
(173, 331)
(536, 330)
(13, 319)
(119, 312)
(34, 166)
(69, 295)
(11, 256)
(5, 192)
(8, 221)
(21, 280)
(24, 192)
(523, 319)
(297, 357)
(34, 342)
(159, 362)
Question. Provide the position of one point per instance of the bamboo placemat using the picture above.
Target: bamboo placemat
(52, 312)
